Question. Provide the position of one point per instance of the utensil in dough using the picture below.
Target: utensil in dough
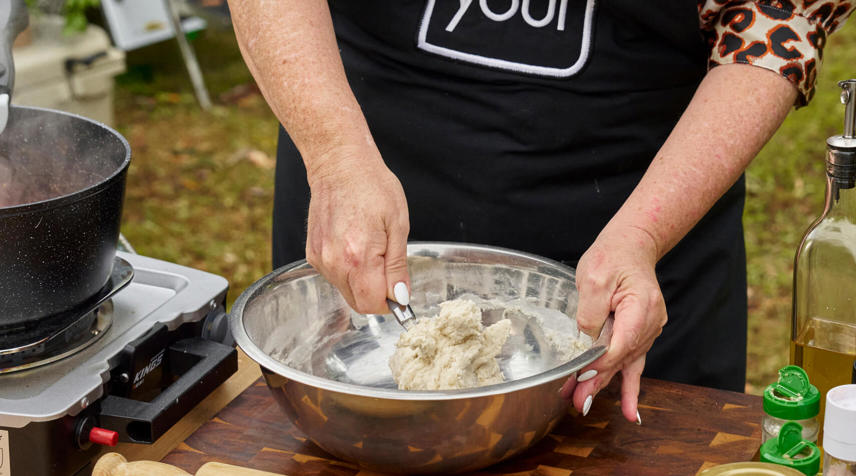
(403, 314)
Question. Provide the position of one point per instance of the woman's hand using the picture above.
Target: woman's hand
(357, 230)
(616, 274)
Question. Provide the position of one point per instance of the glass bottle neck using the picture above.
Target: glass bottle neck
(840, 199)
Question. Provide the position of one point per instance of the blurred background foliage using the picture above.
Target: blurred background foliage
(74, 11)
(200, 188)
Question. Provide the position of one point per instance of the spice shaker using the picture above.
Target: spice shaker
(792, 398)
(791, 450)
(823, 328)
(839, 432)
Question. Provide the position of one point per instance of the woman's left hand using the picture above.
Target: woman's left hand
(616, 275)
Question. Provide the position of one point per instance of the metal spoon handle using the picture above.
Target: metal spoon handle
(403, 314)
(13, 20)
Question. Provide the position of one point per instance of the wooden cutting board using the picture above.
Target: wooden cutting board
(685, 428)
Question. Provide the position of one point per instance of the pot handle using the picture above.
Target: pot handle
(210, 364)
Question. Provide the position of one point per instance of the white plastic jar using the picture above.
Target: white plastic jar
(839, 432)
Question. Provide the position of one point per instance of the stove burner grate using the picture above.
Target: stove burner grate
(50, 339)
(74, 338)
(22, 334)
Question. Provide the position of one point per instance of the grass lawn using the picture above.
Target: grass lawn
(200, 187)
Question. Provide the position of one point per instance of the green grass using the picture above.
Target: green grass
(200, 187)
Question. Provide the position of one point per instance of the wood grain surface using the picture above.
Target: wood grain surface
(685, 429)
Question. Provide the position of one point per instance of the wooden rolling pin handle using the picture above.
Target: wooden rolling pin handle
(114, 464)
(222, 469)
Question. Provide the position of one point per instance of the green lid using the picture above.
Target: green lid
(792, 397)
(791, 450)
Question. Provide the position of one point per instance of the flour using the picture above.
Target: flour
(450, 351)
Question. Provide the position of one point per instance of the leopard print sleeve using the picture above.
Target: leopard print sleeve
(786, 36)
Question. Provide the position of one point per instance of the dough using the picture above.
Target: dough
(450, 351)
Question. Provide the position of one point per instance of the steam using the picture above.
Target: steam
(44, 155)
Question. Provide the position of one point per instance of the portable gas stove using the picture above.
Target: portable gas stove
(125, 365)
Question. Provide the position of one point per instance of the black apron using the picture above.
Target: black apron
(526, 124)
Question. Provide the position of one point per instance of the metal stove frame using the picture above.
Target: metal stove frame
(167, 348)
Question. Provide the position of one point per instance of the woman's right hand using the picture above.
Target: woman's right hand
(358, 227)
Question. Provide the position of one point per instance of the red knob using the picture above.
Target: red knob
(102, 436)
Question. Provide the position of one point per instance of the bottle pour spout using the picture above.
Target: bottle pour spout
(848, 98)
(841, 154)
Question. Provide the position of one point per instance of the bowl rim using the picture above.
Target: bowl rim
(242, 338)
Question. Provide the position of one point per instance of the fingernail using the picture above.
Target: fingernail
(638, 418)
(587, 375)
(587, 405)
(401, 294)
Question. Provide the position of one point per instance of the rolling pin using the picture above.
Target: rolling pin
(114, 464)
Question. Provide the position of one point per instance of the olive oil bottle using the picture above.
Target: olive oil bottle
(823, 329)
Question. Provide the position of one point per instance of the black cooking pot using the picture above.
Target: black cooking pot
(62, 182)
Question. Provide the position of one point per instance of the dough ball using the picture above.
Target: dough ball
(450, 351)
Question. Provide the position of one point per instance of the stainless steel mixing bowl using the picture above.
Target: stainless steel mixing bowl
(327, 365)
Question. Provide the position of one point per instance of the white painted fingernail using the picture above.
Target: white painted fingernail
(587, 405)
(638, 418)
(401, 294)
(587, 375)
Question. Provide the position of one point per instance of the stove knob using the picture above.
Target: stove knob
(103, 436)
(86, 433)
